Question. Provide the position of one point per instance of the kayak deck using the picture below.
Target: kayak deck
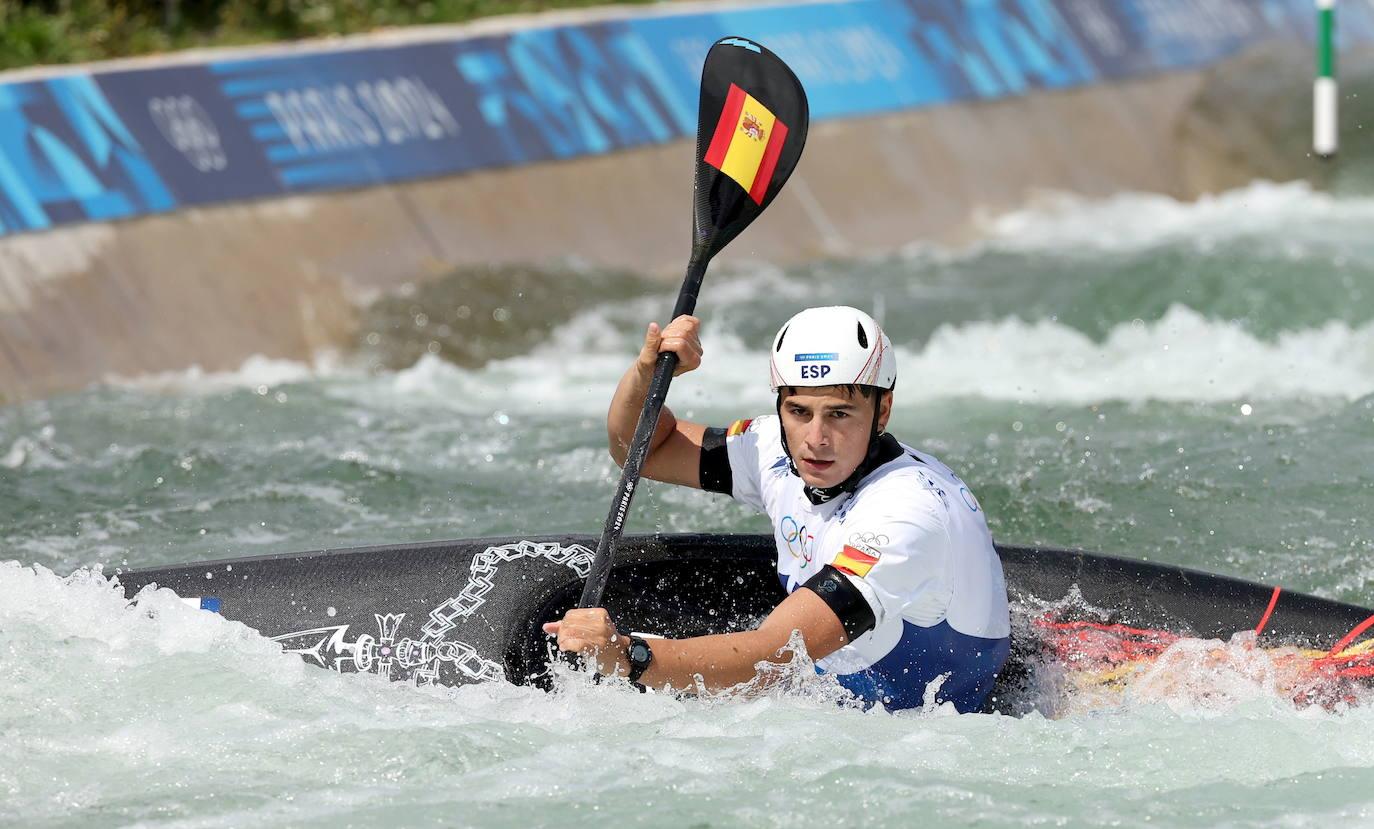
(453, 612)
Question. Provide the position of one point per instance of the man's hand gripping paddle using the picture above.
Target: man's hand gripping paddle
(751, 127)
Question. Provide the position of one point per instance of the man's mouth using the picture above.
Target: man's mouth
(816, 466)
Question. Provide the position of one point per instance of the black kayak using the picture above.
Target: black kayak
(454, 612)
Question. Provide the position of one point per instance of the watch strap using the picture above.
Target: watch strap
(638, 667)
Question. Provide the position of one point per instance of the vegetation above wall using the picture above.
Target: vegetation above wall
(73, 31)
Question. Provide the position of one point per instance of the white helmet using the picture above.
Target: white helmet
(832, 346)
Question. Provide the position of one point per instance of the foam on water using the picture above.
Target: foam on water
(142, 713)
(1283, 215)
(1084, 368)
(34, 452)
(1212, 677)
(256, 372)
(1182, 357)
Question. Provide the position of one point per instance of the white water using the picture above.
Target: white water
(1129, 222)
(160, 714)
(156, 714)
(1182, 357)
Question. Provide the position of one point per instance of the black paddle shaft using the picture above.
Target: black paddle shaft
(747, 95)
(639, 445)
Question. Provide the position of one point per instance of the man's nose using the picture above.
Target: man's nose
(816, 433)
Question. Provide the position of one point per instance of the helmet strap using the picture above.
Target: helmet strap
(882, 448)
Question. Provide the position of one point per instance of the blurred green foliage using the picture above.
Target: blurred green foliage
(68, 31)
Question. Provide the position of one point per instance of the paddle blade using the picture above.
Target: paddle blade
(750, 131)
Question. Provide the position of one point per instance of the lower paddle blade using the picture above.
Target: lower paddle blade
(751, 129)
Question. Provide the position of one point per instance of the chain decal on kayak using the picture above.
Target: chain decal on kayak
(421, 659)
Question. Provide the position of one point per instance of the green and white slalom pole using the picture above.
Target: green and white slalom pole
(1324, 95)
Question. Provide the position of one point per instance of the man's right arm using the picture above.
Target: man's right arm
(675, 451)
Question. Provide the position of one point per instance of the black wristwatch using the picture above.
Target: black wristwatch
(640, 658)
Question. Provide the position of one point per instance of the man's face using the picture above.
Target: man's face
(827, 431)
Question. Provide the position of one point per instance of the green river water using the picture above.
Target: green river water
(1191, 383)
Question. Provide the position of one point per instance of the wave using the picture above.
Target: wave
(257, 372)
(1286, 215)
(104, 693)
(1183, 357)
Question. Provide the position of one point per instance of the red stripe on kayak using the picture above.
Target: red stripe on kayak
(1107, 628)
(1352, 636)
(1268, 611)
(1081, 642)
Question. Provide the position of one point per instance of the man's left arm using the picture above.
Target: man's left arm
(720, 660)
(886, 562)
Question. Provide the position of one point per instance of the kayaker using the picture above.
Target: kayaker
(892, 578)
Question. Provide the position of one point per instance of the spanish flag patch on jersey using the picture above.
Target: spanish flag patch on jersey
(854, 561)
(739, 427)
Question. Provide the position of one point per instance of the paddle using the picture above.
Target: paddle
(751, 126)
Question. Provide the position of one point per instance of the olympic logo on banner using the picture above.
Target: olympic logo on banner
(800, 543)
(188, 127)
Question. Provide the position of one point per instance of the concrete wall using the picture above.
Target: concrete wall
(211, 286)
(286, 276)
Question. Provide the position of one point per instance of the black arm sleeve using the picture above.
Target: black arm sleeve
(845, 599)
(715, 463)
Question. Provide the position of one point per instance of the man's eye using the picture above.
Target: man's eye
(840, 415)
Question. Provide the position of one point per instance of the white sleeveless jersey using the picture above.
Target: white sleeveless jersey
(911, 537)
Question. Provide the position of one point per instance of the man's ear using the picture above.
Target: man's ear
(884, 410)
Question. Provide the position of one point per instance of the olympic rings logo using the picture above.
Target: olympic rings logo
(871, 539)
(800, 543)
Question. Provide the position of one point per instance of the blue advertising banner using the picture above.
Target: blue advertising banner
(189, 132)
(67, 156)
(110, 145)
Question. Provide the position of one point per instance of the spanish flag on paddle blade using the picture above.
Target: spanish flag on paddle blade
(747, 143)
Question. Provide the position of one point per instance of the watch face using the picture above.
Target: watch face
(639, 652)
